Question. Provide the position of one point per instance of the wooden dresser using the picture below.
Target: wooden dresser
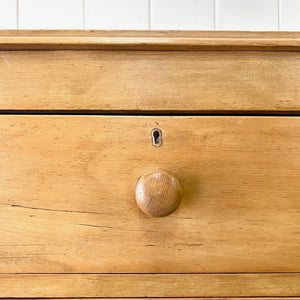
(149, 164)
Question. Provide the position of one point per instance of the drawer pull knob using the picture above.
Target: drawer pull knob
(158, 193)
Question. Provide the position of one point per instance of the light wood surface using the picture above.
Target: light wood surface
(67, 190)
(151, 81)
(158, 193)
(68, 204)
(150, 285)
(147, 40)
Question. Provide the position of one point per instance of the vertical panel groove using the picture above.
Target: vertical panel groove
(17, 14)
(279, 15)
(83, 14)
(149, 13)
(215, 14)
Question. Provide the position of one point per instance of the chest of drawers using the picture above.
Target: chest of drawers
(149, 164)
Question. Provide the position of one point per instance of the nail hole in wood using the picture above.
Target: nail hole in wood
(156, 137)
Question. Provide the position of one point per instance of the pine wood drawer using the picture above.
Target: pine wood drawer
(150, 285)
(138, 72)
(86, 117)
(68, 194)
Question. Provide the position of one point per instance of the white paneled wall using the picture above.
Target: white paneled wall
(289, 15)
(56, 14)
(264, 15)
(117, 14)
(247, 15)
(8, 14)
(182, 15)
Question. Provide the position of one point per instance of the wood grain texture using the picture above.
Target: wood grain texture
(158, 193)
(147, 40)
(67, 190)
(151, 81)
(150, 285)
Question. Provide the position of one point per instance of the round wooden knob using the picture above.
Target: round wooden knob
(158, 193)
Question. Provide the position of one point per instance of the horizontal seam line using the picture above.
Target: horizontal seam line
(150, 113)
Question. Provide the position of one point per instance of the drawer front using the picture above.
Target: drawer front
(150, 81)
(150, 285)
(67, 194)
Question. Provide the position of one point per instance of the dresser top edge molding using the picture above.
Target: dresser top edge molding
(148, 40)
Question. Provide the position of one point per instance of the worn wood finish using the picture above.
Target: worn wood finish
(158, 193)
(150, 285)
(170, 81)
(67, 190)
(147, 40)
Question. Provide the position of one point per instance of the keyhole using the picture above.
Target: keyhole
(156, 137)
